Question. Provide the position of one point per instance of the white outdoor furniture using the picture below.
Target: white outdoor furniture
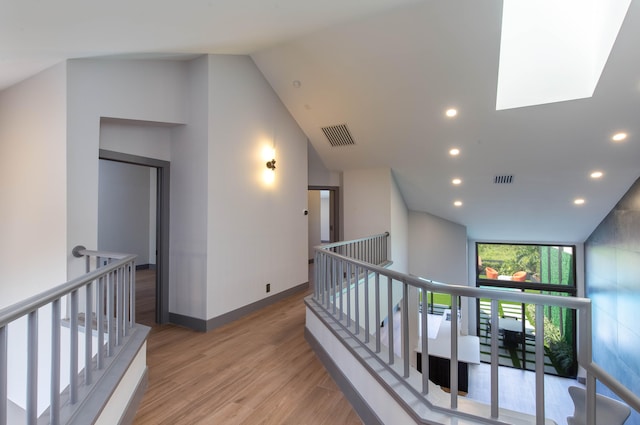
(608, 410)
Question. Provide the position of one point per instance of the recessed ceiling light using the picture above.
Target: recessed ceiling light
(458, 203)
(451, 112)
(579, 201)
(454, 152)
(456, 181)
(297, 84)
(618, 137)
(596, 174)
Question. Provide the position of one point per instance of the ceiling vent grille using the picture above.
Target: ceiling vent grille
(338, 135)
(504, 179)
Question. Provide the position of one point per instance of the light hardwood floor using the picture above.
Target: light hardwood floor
(257, 370)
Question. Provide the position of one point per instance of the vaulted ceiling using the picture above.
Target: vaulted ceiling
(388, 69)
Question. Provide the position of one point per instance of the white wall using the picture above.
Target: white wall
(230, 234)
(33, 226)
(257, 233)
(149, 140)
(315, 220)
(367, 201)
(319, 175)
(189, 198)
(437, 249)
(399, 230)
(123, 209)
(373, 204)
(145, 90)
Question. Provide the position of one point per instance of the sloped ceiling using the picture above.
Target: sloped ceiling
(387, 69)
(390, 78)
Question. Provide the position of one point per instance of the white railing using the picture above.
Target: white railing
(338, 275)
(74, 332)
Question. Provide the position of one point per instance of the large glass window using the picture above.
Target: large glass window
(541, 269)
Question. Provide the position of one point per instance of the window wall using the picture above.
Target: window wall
(540, 269)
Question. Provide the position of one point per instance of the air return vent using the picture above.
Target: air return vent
(338, 135)
(504, 179)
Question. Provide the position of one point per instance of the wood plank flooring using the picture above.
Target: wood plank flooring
(257, 370)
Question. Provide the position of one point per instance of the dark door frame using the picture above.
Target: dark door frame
(334, 199)
(162, 224)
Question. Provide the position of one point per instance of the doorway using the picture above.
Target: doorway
(324, 215)
(161, 225)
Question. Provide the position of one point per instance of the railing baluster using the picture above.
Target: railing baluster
(88, 334)
(357, 300)
(366, 306)
(341, 273)
(454, 352)
(366, 252)
(334, 283)
(316, 277)
(540, 419)
(54, 410)
(32, 368)
(132, 295)
(348, 294)
(73, 347)
(405, 327)
(125, 300)
(321, 281)
(424, 356)
(100, 313)
(495, 359)
(390, 318)
(377, 300)
(118, 306)
(327, 285)
(590, 398)
(3, 374)
(110, 312)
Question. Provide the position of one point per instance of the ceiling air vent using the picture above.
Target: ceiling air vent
(503, 179)
(338, 135)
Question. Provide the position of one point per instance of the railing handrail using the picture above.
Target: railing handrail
(613, 384)
(581, 305)
(22, 308)
(99, 309)
(463, 290)
(341, 243)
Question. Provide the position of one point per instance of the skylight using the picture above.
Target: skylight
(555, 50)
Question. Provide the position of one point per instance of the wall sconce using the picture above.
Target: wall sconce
(271, 165)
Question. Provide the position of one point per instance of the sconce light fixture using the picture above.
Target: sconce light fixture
(271, 165)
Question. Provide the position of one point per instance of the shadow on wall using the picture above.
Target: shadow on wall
(612, 261)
